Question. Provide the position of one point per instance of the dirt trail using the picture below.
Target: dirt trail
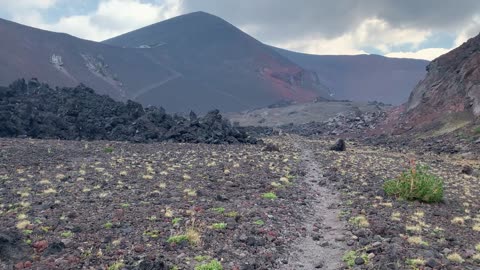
(324, 242)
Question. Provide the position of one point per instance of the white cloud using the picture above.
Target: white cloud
(342, 45)
(426, 54)
(371, 32)
(114, 17)
(13, 5)
(469, 31)
(382, 36)
(111, 18)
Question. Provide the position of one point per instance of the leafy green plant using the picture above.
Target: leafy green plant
(212, 265)
(416, 184)
(108, 225)
(269, 195)
(176, 220)
(108, 149)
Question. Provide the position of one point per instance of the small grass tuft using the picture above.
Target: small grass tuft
(458, 220)
(66, 234)
(416, 184)
(177, 239)
(416, 240)
(219, 226)
(116, 266)
(219, 210)
(416, 262)
(359, 221)
(259, 222)
(201, 258)
(232, 214)
(350, 256)
(455, 257)
(152, 233)
(212, 265)
(269, 195)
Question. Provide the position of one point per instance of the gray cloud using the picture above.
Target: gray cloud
(281, 20)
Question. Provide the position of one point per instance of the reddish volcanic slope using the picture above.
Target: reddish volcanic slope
(218, 61)
(450, 91)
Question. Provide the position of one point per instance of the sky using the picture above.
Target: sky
(422, 29)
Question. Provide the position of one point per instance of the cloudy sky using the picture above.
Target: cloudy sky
(421, 29)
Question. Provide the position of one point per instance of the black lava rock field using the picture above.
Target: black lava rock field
(35, 110)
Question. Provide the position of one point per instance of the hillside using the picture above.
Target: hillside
(63, 60)
(448, 97)
(200, 62)
(363, 77)
(219, 65)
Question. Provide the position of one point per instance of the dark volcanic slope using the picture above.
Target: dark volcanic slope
(63, 60)
(450, 89)
(195, 61)
(38, 111)
(363, 77)
(218, 64)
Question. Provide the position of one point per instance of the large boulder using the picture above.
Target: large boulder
(339, 146)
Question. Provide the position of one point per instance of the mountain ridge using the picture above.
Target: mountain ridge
(195, 61)
(380, 78)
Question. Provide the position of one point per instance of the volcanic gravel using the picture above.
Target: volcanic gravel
(94, 205)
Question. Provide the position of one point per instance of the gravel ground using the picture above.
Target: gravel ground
(105, 205)
(389, 233)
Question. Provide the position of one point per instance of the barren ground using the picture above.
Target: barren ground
(104, 205)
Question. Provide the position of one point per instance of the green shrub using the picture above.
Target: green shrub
(212, 265)
(416, 184)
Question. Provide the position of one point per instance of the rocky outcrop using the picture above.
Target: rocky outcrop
(451, 87)
(351, 123)
(32, 109)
